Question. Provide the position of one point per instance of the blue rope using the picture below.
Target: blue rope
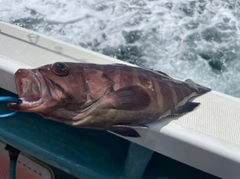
(7, 99)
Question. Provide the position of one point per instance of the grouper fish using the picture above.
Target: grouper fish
(112, 97)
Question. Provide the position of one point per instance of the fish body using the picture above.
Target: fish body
(114, 97)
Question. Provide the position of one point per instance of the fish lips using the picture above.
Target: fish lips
(28, 86)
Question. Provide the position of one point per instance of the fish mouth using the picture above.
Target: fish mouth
(28, 86)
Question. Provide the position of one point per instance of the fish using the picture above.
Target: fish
(112, 97)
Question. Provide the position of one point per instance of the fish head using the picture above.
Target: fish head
(54, 91)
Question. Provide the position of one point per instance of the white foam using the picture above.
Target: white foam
(178, 37)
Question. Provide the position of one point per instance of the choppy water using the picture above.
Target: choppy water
(196, 39)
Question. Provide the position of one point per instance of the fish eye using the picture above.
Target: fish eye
(60, 69)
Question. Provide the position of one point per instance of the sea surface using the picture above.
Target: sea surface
(197, 39)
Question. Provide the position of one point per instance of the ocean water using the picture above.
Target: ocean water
(197, 39)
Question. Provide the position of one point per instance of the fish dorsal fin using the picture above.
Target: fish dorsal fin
(130, 98)
(162, 73)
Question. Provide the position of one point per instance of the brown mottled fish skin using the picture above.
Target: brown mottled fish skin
(109, 97)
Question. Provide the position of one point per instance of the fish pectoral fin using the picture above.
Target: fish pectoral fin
(127, 130)
(130, 98)
(189, 106)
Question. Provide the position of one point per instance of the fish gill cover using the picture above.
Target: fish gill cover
(196, 39)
